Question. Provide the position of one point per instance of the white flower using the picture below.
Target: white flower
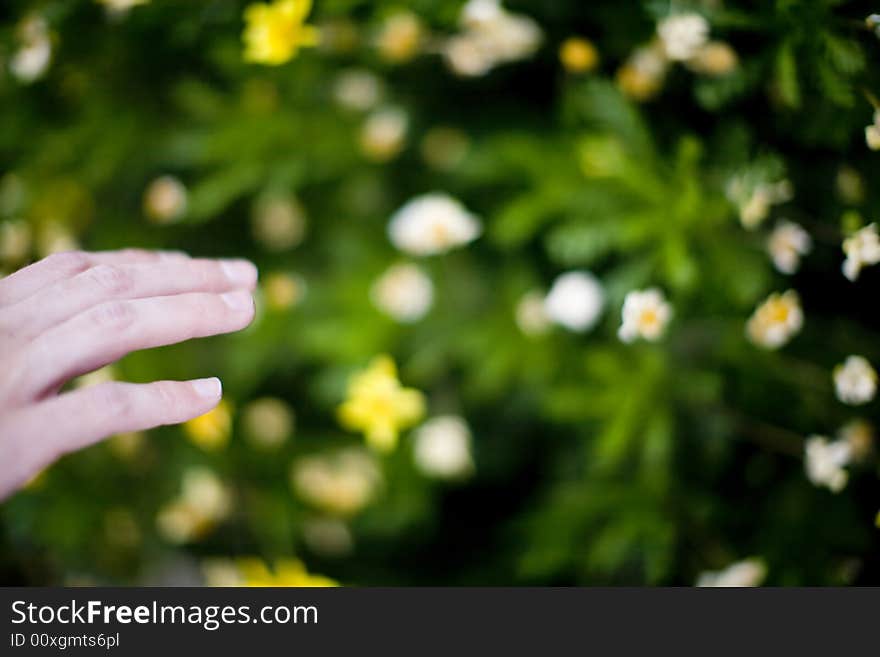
(442, 448)
(645, 315)
(749, 572)
(755, 199)
(404, 292)
(755, 209)
(32, 59)
(432, 224)
(480, 12)
(329, 537)
(119, 7)
(511, 37)
(787, 243)
(384, 133)
(357, 89)
(490, 36)
(575, 301)
(203, 491)
(278, 223)
(531, 315)
(872, 133)
(872, 137)
(683, 35)
(650, 61)
(776, 320)
(178, 523)
(268, 422)
(467, 57)
(855, 381)
(400, 37)
(204, 500)
(642, 75)
(165, 200)
(825, 461)
(221, 573)
(341, 483)
(862, 248)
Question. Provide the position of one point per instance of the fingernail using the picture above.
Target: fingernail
(239, 272)
(208, 388)
(237, 300)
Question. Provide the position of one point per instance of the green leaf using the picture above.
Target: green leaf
(787, 76)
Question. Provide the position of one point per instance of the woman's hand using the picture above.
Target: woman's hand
(75, 312)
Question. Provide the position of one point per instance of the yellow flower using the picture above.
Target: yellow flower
(287, 572)
(859, 435)
(379, 406)
(282, 291)
(716, 58)
(578, 55)
(275, 32)
(383, 134)
(211, 431)
(642, 75)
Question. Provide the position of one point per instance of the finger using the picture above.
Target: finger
(107, 332)
(64, 299)
(40, 434)
(58, 266)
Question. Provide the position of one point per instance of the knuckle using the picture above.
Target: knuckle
(72, 262)
(205, 306)
(212, 273)
(116, 315)
(167, 396)
(110, 278)
(200, 274)
(112, 399)
(136, 253)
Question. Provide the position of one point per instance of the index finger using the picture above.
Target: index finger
(58, 266)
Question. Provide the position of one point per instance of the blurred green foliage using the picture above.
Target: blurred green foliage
(596, 462)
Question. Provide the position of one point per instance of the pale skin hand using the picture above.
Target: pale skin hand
(73, 313)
